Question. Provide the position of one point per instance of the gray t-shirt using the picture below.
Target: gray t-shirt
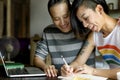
(57, 43)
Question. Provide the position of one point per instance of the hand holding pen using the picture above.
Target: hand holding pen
(66, 69)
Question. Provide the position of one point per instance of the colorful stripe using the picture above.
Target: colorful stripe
(109, 47)
(110, 53)
(111, 57)
(112, 62)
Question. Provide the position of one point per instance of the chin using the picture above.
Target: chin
(66, 30)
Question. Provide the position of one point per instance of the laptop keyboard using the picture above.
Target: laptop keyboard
(17, 71)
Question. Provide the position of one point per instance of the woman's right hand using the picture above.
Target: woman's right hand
(66, 70)
(50, 71)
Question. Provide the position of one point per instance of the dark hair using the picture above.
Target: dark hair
(88, 4)
(54, 2)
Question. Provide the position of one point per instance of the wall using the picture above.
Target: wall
(115, 3)
(1, 18)
(39, 16)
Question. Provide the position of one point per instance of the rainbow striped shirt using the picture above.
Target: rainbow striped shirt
(109, 46)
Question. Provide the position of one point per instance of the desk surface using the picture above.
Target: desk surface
(29, 78)
(4, 77)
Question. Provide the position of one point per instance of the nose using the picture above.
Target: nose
(85, 24)
(62, 21)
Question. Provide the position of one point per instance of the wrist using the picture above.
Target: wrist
(94, 71)
(44, 67)
(74, 64)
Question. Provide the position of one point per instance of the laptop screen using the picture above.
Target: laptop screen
(32, 71)
(3, 63)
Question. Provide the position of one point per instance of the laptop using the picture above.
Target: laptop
(28, 71)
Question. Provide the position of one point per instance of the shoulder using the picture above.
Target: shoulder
(51, 29)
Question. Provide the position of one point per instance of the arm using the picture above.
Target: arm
(108, 73)
(82, 57)
(39, 59)
(48, 69)
(39, 62)
(85, 52)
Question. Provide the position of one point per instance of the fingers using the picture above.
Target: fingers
(51, 71)
(66, 70)
(79, 69)
(85, 69)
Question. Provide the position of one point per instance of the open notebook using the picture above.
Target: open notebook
(82, 77)
(23, 72)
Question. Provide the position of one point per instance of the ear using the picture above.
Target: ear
(99, 9)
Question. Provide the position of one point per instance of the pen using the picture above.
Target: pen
(64, 60)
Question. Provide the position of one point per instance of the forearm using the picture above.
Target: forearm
(83, 56)
(75, 64)
(39, 63)
(109, 73)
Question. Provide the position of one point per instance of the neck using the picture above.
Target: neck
(109, 26)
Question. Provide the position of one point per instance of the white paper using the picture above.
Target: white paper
(91, 77)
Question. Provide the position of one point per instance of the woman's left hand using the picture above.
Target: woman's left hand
(85, 69)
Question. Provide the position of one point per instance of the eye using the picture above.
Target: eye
(85, 18)
(66, 16)
(56, 19)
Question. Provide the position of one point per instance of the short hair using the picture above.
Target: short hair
(54, 2)
(88, 4)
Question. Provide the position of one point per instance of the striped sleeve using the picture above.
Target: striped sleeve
(41, 49)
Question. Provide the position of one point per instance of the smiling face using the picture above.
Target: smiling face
(61, 17)
(91, 19)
